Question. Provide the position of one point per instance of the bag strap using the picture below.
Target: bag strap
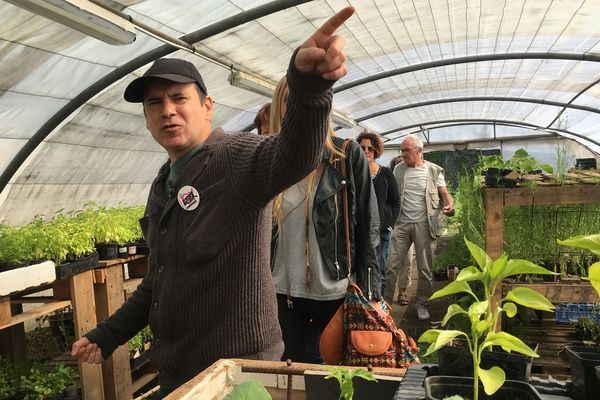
(345, 200)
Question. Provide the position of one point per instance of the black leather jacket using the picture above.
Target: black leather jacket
(328, 219)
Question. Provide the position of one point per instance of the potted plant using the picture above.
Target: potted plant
(585, 359)
(483, 314)
(47, 384)
(138, 346)
(8, 380)
(13, 249)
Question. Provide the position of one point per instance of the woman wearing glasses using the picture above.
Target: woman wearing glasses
(309, 260)
(386, 190)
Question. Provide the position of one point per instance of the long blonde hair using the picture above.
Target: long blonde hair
(277, 112)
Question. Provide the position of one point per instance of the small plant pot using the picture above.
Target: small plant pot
(76, 266)
(131, 249)
(452, 272)
(122, 251)
(440, 387)
(138, 362)
(583, 361)
(319, 388)
(71, 393)
(107, 251)
(55, 397)
(456, 360)
(496, 177)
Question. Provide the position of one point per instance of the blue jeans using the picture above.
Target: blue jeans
(384, 247)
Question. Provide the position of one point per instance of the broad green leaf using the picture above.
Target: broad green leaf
(590, 242)
(364, 374)
(547, 168)
(478, 308)
(454, 397)
(249, 390)
(594, 274)
(530, 298)
(452, 288)
(469, 274)
(492, 379)
(517, 267)
(480, 257)
(498, 266)
(510, 309)
(483, 326)
(508, 343)
(521, 153)
(445, 337)
(453, 309)
(429, 336)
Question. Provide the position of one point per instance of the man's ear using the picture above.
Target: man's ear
(208, 106)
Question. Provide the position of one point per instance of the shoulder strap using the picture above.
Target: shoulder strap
(345, 200)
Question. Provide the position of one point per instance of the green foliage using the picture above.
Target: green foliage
(483, 314)
(41, 383)
(69, 236)
(249, 390)
(344, 377)
(587, 329)
(591, 243)
(140, 341)
(521, 162)
(8, 379)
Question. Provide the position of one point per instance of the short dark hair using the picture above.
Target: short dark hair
(375, 140)
(262, 115)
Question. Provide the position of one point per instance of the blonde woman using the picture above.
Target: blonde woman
(309, 262)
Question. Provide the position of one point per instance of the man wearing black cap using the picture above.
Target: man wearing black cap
(208, 293)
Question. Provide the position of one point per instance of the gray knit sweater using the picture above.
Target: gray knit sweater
(209, 292)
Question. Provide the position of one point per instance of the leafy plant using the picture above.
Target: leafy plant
(592, 243)
(42, 383)
(344, 377)
(483, 313)
(588, 329)
(8, 380)
(249, 390)
(140, 342)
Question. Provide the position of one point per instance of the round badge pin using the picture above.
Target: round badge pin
(188, 198)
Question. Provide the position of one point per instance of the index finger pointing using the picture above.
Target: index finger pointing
(333, 23)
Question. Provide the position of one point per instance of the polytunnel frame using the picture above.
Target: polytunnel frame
(123, 70)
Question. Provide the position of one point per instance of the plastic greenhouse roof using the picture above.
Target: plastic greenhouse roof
(452, 71)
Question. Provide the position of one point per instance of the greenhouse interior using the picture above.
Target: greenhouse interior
(445, 184)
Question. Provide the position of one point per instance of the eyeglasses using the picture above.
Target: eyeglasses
(370, 149)
(407, 150)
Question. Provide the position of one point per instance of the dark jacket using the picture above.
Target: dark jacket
(388, 198)
(209, 292)
(328, 207)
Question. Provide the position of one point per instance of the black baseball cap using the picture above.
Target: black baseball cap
(171, 69)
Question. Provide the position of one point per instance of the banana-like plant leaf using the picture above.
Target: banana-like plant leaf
(517, 267)
(510, 309)
(480, 257)
(452, 288)
(453, 309)
(492, 379)
(469, 274)
(508, 343)
(529, 298)
(429, 336)
(594, 274)
(483, 326)
(498, 266)
(590, 242)
(478, 308)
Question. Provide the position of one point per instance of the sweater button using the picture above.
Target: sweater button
(155, 305)
(343, 182)
(156, 342)
(161, 268)
(163, 231)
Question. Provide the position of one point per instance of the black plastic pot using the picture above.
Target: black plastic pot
(495, 177)
(440, 387)
(71, 393)
(131, 249)
(583, 361)
(73, 267)
(122, 251)
(8, 267)
(107, 251)
(456, 361)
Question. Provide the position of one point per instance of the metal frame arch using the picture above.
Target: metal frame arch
(477, 98)
(125, 69)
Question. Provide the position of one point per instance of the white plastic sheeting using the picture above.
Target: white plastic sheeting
(100, 150)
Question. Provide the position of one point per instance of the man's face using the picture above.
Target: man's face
(176, 116)
(411, 154)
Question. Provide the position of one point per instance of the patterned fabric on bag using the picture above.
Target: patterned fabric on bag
(371, 336)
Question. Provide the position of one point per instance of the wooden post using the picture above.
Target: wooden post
(116, 371)
(12, 339)
(84, 315)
